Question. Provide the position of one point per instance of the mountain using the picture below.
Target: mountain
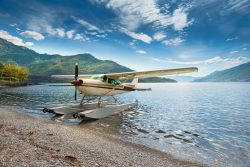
(41, 66)
(239, 73)
(20, 55)
(46, 65)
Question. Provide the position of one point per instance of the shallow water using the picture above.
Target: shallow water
(206, 122)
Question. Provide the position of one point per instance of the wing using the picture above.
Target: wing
(148, 74)
(134, 74)
(71, 76)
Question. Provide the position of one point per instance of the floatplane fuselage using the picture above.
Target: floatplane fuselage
(103, 86)
(113, 83)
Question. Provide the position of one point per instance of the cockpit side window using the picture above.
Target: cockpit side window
(110, 80)
(114, 81)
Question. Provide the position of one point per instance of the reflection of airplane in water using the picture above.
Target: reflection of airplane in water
(98, 86)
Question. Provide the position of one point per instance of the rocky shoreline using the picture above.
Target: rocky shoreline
(29, 141)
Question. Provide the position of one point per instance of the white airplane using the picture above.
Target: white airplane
(111, 84)
(99, 85)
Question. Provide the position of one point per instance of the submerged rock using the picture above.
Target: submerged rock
(160, 131)
(143, 131)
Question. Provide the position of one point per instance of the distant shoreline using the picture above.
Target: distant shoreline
(25, 139)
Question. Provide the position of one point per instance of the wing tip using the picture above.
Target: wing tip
(195, 69)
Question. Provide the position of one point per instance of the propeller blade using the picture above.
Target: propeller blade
(76, 71)
(76, 77)
(75, 93)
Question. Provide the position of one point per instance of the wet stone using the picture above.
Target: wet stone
(160, 131)
(142, 131)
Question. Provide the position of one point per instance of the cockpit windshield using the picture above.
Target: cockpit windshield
(97, 77)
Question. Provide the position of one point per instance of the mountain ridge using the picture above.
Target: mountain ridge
(240, 73)
(37, 63)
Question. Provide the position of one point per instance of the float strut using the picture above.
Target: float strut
(114, 98)
(81, 103)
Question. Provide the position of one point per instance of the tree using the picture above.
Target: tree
(13, 72)
(1, 66)
(22, 73)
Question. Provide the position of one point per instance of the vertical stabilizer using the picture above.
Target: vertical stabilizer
(135, 82)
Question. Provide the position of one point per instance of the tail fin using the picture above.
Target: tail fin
(135, 82)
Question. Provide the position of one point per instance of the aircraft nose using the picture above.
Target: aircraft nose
(77, 82)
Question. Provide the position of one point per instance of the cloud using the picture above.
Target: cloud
(15, 40)
(91, 33)
(60, 32)
(214, 60)
(52, 24)
(101, 35)
(80, 37)
(44, 25)
(158, 36)
(141, 51)
(86, 24)
(184, 56)
(132, 43)
(32, 34)
(240, 6)
(156, 59)
(41, 25)
(244, 48)
(13, 25)
(139, 36)
(180, 19)
(173, 42)
(18, 29)
(132, 14)
(231, 39)
(234, 51)
(70, 34)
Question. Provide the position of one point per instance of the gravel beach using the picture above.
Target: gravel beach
(30, 141)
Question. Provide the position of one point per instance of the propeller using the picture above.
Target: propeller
(76, 77)
(75, 82)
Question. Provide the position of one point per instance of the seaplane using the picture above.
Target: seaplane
(97, 86)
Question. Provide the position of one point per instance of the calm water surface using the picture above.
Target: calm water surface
(206, 122)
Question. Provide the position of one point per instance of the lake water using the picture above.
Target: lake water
(206, 122)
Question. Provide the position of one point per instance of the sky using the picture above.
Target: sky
(142, 35)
